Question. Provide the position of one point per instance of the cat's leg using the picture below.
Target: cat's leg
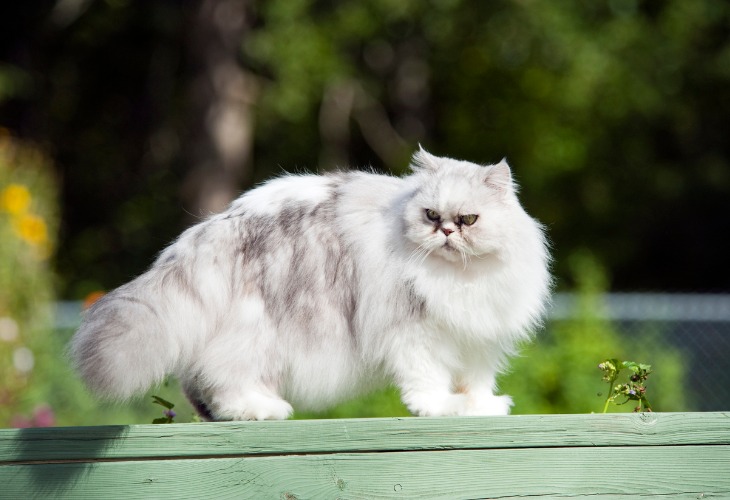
(424, 381)
(254, 403)
(193, 391)
(431, 400)
(235, 401)
(482, 402)
(434, 394)
(479, 385)
(437, 380)
(238, 373)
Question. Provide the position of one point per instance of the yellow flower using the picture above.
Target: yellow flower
(15, 199)
(31, 228)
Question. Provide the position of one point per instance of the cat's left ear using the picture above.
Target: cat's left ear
(499, 177)
(423, 160)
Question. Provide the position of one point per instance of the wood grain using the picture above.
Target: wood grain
(675, 455)
(678, 472)
(352, 435)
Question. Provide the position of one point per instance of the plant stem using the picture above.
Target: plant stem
(610, 392)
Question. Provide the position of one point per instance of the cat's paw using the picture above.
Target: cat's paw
(483, 406)
(437, 405)
(253, 406)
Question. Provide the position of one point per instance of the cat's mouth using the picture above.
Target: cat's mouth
(448, 246)
(449, 252)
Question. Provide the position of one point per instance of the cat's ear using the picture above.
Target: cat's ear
(499, 177)
(423, 160)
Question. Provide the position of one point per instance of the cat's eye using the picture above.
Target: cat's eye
(469, 219)
(433, 215)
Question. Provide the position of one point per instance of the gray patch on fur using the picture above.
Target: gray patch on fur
(178, 276)
(319, 278)
(415, 304)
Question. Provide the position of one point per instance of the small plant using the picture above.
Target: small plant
(633, 390)
(168, 412)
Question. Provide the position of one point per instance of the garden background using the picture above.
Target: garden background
(121, 123)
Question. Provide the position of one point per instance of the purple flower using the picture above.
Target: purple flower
(170, 414)
(42, 417)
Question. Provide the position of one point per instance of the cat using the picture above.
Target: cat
(311, 289)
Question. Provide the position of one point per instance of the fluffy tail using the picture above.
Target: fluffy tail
(133, 337)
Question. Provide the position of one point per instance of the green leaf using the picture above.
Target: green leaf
(161, 420)
(158, 400)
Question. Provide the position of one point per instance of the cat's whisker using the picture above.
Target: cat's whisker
(464, 258)
(413, 254)
(420, 254)
(425, 255)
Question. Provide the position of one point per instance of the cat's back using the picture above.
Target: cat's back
(368, 191)
(280, 193)
(296, 232)
(353, 190)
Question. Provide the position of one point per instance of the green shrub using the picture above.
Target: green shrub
(558, 373)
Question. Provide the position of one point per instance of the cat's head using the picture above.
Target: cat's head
(460, 211)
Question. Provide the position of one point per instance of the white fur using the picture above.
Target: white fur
(436, 319)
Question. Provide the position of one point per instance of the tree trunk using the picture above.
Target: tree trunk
(220, 129)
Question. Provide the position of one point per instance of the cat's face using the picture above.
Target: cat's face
(461, 211)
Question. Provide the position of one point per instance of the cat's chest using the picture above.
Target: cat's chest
(470, 305)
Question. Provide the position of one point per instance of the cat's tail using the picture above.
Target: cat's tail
(134, 336)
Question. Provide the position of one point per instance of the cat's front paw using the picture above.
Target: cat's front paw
(253, 407)
(436, 405)
(483, 406)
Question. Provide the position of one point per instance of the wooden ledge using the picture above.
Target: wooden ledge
(671, 454)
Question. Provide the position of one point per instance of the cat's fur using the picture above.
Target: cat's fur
(310, 289)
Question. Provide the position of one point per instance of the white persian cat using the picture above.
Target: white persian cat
(313, 288)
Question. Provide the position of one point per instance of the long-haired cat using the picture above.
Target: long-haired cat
(313, 288)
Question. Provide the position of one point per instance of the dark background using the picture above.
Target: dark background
(615, 116)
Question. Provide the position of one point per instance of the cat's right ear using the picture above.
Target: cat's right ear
(423, 160)
(499, 177)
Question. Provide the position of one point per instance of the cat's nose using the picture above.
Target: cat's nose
(447, 231)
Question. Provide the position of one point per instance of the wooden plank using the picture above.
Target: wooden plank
(324, 436)
(611, 472)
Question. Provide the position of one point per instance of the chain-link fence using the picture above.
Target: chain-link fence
(694, 326)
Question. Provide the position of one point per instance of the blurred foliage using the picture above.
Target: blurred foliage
(37, 384)
(613, 113)
(28, 222)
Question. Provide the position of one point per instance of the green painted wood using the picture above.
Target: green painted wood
(326, 436)
(609, 472)
(675, 455)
